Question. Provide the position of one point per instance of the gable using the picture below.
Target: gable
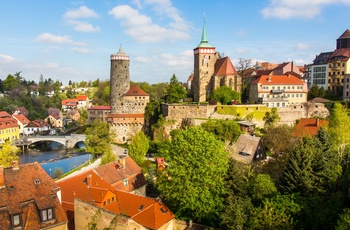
(224, 67)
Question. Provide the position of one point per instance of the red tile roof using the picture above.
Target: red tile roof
(224, 67)
(278, 80)
(126, 115)
(135, 91)
(345, 53)
(21, 118)
(100, 107)
(29, 188)
(82, 97)
(308, 127)
(70, 102)
(7, 121)
(346, 34)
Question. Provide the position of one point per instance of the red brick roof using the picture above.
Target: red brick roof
(224, 67)
(100, 107)
(278, 80)
(29, 188)
(308, 127)
(135, 91)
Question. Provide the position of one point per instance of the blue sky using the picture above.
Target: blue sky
(72, 40)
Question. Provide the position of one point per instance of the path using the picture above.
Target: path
(117, 151)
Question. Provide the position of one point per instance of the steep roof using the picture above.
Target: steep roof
(344, 53)
(52, 111)
(278, 80)
(135, 91)
(346, 34)
(7, 121)
(21, 118)
(224, 67)
(29, 188)
(322, 58)
(308, 127)
(204, 41)
(245, 148)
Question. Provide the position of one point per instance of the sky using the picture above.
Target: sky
(73, 40)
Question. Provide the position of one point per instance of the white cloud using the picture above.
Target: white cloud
(6, 59)
(57, 39)
(285, 9)
(181, 60)
(137, 3)
(142, 59)
(82, 12)
(83, 26)
(81, 50)
(141, 28)
(301, 46)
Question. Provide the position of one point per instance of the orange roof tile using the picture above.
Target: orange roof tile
(224, 67)
(135, 91)
(70, 102)
(126, 115)
(7, 121)
(308, 127)
(101, 107)
(278, 80)
(345, 53)
(82, 97)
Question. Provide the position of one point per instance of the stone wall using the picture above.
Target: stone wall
(180, 111)
(125, 132)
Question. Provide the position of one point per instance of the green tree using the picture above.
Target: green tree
(262, 187)
(225, 95)
(316, 91)
(98, 138)
(223, 129)
(138, 147)
(175, 91)
(277, 139)
(271, 117)
(193, 185)
(8, 154)
(10, 82)
(107, 157)
(344, 220)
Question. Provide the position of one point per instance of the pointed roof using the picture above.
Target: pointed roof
(204, 41)
(135, 91)
(121, 51)
(346, 34)
(224, 67)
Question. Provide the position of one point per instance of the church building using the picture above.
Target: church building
(211, 71)
(128, 103)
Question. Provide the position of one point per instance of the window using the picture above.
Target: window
(16, 220)
(47, 214)
(126, 182)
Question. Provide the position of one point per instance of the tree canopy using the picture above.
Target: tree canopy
(138, 147)
(175, 91)
(193, 184)
(225, 95)
(98, 138)
(8, 154)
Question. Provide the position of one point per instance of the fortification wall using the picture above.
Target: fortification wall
(125, 132)
(181, 111)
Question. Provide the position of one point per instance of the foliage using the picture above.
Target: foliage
(339, 127)
(277, 139)
(107, 157)
(316, 91)
(153, 113)
(175, 91)
(8, 154)
(160, 149)
(57, 173)
(271, 117)
(138, 147)
(242, 111)
(193, 185)
(98, 138)
(262, 187)
(344, 220)
(223, 129)
(225, 95)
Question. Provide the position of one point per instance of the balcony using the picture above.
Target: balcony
(277, 91)
(272, 99)
(335, 68)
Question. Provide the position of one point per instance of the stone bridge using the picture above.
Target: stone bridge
(68, 141)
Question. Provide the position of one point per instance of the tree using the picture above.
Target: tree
(316, 91)
(225, 95)
(262, 187)
(175, 91)
(277, 139)
(138, 147)
(223, 129)
(193, 185)
(107, 157)
(98, 138)
(10, 82)
(344, 220)
(271, 117)
(8, 154)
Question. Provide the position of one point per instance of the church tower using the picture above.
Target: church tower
(119, 80)
(204, 64)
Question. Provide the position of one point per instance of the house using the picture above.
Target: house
(309, 127)
(9, 128)
(35, 127)
(100, 185)
(247, 126)
(29, 199)
(98, 112)
(83, 101)
(248, 148)
(22, 121)
(69, 104)
(54, 120)
(278, 90)
(21, 110)
(55, 111)
(73, 114)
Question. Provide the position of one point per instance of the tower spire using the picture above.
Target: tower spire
(204, 40)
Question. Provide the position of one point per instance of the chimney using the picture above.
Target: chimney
(2, 179)
(15, 165)
(121, 161)
(317, 122)
(89, 180)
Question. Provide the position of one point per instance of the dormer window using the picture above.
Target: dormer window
(16, 220)
(47, 214)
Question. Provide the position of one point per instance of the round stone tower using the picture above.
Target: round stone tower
(119, 80)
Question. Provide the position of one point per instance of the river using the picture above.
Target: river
(54, 158)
